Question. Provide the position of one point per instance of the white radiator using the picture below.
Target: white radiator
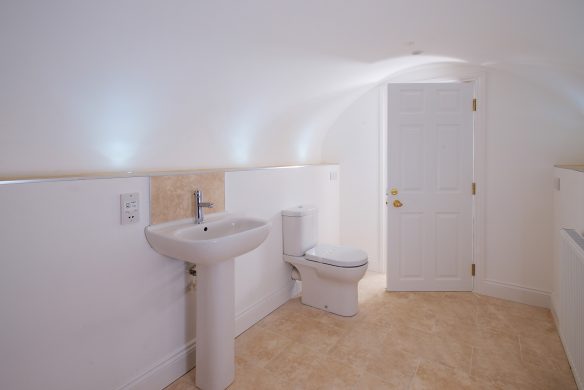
(571, 315)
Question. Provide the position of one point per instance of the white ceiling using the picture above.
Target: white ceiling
(115, 85)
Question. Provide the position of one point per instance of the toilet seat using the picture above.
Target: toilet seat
(338, 256)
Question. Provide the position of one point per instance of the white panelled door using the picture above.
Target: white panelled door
(430, 175)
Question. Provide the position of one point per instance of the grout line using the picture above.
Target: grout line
(472, 352)
(520, 349)
(415, 373)
(433, 329)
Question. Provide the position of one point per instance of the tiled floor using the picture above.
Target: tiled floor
(402, 341)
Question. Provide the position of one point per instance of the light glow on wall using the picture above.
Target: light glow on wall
(305, 141)
(118, 152)
(240, 144)
(119, 121)
(383, 70)
(242, 135)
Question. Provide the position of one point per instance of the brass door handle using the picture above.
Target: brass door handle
(397, 203)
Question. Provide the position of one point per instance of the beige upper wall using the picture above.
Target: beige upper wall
(115, 86)
(172, 197)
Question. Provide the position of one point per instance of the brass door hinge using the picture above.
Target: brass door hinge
(474, 104)
(474, 188)
(472, 270)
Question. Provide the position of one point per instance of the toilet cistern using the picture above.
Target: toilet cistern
(199, 204)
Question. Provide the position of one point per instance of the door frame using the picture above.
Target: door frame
(435, 74)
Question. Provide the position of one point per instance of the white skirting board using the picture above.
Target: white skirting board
(166, 371)
(512, 292)
(253, 314)
(173, 366)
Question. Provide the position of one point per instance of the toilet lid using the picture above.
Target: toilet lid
(340, 256)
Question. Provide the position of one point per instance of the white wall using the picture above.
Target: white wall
(146, 85)
(85, 302)
(528, 130)
(262, 279)
(353, 142)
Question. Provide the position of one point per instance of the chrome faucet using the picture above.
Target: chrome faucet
(199, 204)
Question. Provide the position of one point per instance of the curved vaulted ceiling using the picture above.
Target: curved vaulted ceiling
(119, 85)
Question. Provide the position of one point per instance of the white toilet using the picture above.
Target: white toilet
(330, 274)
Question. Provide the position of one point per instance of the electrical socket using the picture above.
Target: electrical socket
(130, 208)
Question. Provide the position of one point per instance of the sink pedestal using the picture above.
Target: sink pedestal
(215, 322)
(212, 246)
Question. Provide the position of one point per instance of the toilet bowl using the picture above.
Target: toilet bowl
(330, 274)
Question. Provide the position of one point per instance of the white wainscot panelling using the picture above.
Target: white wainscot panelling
(85, 302)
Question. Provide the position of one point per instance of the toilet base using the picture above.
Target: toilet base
(341, 300)
(329, 288)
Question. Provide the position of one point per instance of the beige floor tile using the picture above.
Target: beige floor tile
(372, 382)
(535, 379)
(312, 333)
(358, 358)
(550, 379)
(508, 370)
(371, 305)
(514, 317)
(294, 365)
(516, 309)
(345, 323)
(402, 340)
(408, 314)
(260, 346)
(455, 311)
(490, 317)
(291, 309)
(483, 338)
(489, 362)
(395, 367)
(450, 352)
(562, 365)
(462, 296)
(281, 320)
(432, 375)
(406, 338)
(248, 376)
(186, 382)
(544, 350)
(330, 373)
(360, 346)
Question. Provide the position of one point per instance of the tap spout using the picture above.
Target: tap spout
(199, 205)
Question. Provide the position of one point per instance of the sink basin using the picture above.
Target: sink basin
(212, 246)
(222, 236)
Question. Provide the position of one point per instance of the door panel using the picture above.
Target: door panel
(448, 158)
(447, 245)
(411, 256)
(412, 157)
(430, 145)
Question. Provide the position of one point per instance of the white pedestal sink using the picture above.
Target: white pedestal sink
(212, 246)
